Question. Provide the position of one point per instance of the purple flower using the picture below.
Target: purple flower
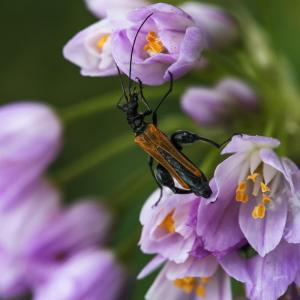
(168, 42)
(39, 236)
(265, 277)
(257, 196)
(219, 27)
(29, 139)
(165, 227)
(193, 279)
(91, 50)
(18, 227)
(213, 106)
(89, 275)
(101, 8)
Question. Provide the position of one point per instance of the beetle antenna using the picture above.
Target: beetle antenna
(122, 84)
(132, 50)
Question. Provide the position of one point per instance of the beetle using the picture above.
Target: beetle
(171, 162)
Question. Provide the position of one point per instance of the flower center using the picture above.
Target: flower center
(168, 223)
(192, 284)
(102, 41)
(260, 190)
(154, 45)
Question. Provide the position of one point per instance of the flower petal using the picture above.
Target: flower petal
(192, 267)
(29, 141)
(264, 234)
(272, 274)
(246, 143)
(218, 222)
(154, 264)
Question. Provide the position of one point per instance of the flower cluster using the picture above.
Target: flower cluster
(46, 249)
(171, 40)
(255, 207)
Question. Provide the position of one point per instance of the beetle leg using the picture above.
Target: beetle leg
(154, 116)
(183, 137)
(165, 179)
(150, 163)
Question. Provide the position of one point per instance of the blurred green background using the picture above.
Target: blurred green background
(33, 33)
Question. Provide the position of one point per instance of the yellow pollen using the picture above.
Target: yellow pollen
(200, 291)
(168, 223)
(241, 197)
(102, 41)
(187, 284)
(154, 45)
(264, 188)
(205, 280)
(266, 199)
(259, 211)
(253, 177)
(242, 186)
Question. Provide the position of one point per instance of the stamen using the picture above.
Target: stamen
(264, 188)
(102, 41)
(259, 211)
(205, 280)
(241, 197)
(266, 199)
(168, 223)
(187, 284)
(242, 186)
(200, 291)
(154, 45)
(253, 177)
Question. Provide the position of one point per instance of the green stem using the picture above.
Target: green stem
(106, 102)
(107, 151)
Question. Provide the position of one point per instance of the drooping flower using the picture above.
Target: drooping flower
(169, 41)
(257, 196)
(101, 8)
(91, 50)
(29, 140)
(219, 27)
(89, 275)
(213, 106)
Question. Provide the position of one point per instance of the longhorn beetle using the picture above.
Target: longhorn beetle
(166, 152)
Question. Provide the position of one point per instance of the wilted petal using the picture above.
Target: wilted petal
(29, 141)
(89, 275)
